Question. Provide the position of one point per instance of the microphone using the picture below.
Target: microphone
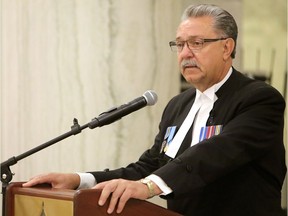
(148, 98)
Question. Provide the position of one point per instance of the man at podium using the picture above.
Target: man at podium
(219, 149)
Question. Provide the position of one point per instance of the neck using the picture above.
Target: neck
(220, 76)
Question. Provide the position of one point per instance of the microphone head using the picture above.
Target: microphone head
(150, 97)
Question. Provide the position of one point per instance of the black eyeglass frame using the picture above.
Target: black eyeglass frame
(175, 48)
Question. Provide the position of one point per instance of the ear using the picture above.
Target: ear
(229, 45)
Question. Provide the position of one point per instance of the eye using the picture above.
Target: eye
(179, 44)
(195, 43)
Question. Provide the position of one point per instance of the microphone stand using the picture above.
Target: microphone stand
(7, 175)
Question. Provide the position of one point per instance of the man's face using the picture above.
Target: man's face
(210, 60)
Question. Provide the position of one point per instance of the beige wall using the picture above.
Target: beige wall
(265, 35)
(265, 32)
(70, 59)
(65, 59)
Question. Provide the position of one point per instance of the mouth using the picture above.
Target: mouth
(189, 67)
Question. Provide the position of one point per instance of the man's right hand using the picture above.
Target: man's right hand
(57, 180)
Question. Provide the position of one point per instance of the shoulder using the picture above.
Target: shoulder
(249, 91)
(238, 83)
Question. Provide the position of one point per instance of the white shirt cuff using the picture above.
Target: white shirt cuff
(160, 183)
(87, 180)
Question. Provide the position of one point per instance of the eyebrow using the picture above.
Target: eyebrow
(190, 37)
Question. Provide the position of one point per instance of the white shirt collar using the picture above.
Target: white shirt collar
(210, 92)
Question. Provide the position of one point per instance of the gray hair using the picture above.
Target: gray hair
(223, 21)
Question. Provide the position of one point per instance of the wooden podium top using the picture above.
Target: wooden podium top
(73, 202)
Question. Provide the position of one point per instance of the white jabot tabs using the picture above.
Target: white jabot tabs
(179, 137)
(207, 99)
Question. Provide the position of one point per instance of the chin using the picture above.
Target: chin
(193, 79)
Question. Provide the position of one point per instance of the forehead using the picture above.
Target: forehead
(196, 27)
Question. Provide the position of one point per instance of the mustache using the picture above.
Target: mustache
(189, 63)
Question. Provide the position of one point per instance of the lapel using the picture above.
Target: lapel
(184, 108)
(186, 142)
(226, 98)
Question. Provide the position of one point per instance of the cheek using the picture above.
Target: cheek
(179, 65)
(179, 60)
(210, 61)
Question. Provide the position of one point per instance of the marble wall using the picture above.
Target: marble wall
(70, 59)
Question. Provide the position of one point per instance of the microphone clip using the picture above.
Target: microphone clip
(75, 128)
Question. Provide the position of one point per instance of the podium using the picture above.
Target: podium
(43, 200)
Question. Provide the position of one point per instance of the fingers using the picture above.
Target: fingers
(123, 200)
(108, 188)
(39, 179)
(57, 180)
(121, 191)
(118, 193)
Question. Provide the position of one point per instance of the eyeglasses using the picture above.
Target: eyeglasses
(194, 44)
